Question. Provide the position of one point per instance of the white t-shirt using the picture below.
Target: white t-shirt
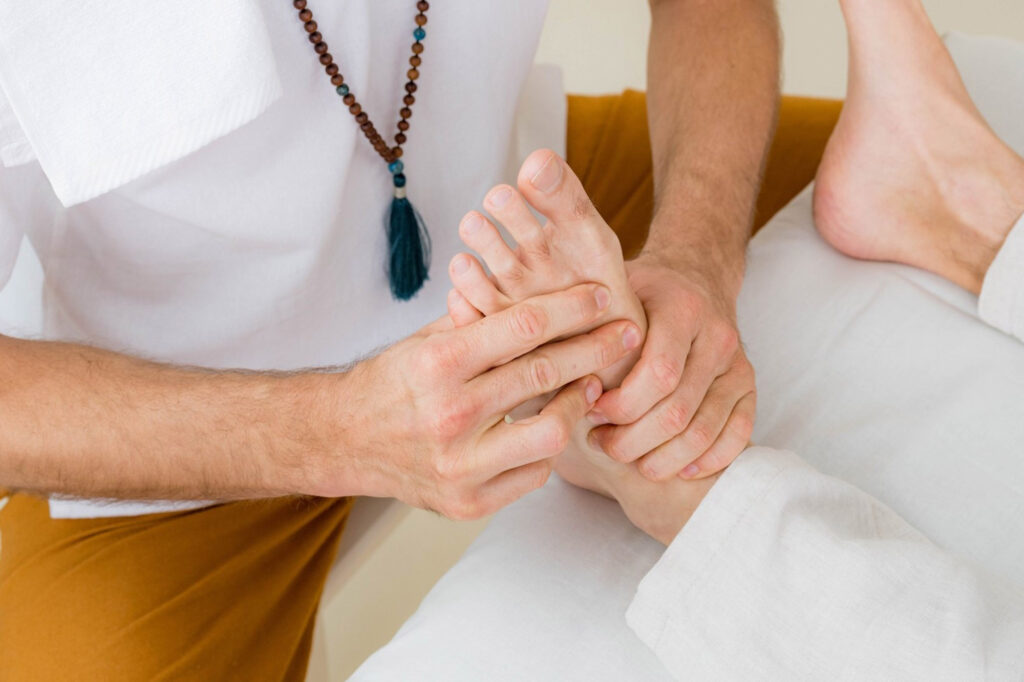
(197, 192)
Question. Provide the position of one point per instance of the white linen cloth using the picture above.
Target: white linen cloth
(1001, 302)
(197, 193)
(897, 556)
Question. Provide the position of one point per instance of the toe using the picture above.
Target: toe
(512, 211)
(552, 188)
(482, 236)
(472, 283)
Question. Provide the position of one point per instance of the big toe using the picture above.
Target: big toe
(551, 187)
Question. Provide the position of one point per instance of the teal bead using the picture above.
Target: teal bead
(419, 33)
(396, 167)
(399, 180)
(342, 89)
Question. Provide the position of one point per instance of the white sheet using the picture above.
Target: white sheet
(927, 417)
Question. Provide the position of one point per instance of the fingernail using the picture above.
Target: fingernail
(596, 418)
(500, 197)
(550, 174)
(460, 265)
(602, 297)
(471, 223)
(690, 471)
(593, 391)
(631, 338)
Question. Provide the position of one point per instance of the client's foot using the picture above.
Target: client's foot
(575, 245)
(912, 173)
(658, 509)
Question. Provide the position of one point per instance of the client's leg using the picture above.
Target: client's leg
(912, 173)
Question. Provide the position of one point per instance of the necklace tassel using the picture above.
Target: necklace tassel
(409, 245)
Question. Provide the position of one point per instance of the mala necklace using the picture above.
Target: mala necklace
(408, 241)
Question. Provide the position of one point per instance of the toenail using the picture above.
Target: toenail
(593, 391)
(460, 265)
(596, 418)
(549, 175)
(631, 338)
(602, 298)
(500, 197)
(690, 471)
(471, 223)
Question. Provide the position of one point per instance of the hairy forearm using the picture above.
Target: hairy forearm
(81, 421)
(713, 74)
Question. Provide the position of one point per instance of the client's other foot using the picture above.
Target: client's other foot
(573, 246)
(658, 509)
(912, 173)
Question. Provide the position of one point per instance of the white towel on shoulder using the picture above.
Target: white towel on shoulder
(101, 93)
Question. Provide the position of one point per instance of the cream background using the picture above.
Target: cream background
(600, 43)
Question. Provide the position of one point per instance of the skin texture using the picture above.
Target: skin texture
(422, 421)
(712, 96)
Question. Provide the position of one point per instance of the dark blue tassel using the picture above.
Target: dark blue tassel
(409, 244)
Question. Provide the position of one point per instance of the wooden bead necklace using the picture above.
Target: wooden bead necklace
(408, 240)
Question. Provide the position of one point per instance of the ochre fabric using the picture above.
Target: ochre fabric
(230, 592)
(224, 593)
(609, 148)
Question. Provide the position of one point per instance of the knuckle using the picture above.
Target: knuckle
(675, 418)
(436, 358)
(451, 419)
(649, 469)
(543, 374)
(511, 273)
(728, 340)
(700, 437)
(527, 322)
(667, 371)
(607, 351)
(555, 437)
(615, 448)
(742, 426)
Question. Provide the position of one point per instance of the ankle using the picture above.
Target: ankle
(986, 204)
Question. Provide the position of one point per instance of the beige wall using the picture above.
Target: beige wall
(600, 43)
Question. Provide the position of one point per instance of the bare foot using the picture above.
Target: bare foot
(658, 509)
(574, 246)
(913, 173)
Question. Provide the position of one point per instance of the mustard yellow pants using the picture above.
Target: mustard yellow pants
(230, 592)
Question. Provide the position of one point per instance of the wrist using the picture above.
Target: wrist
(306, 449)
(713, 258)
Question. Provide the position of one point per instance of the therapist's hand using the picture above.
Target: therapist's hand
(687, 408)
(424, 421)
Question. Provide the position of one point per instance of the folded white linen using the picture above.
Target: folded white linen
(184, 83)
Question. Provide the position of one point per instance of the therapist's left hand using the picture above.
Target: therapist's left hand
(687, 408)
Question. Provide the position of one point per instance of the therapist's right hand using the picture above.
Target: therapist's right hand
(424, 421)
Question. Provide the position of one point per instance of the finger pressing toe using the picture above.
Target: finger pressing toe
(461, 310)
(472, 282)
(671, 458)
(511, 210)
(733, 440)
(482, 236)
